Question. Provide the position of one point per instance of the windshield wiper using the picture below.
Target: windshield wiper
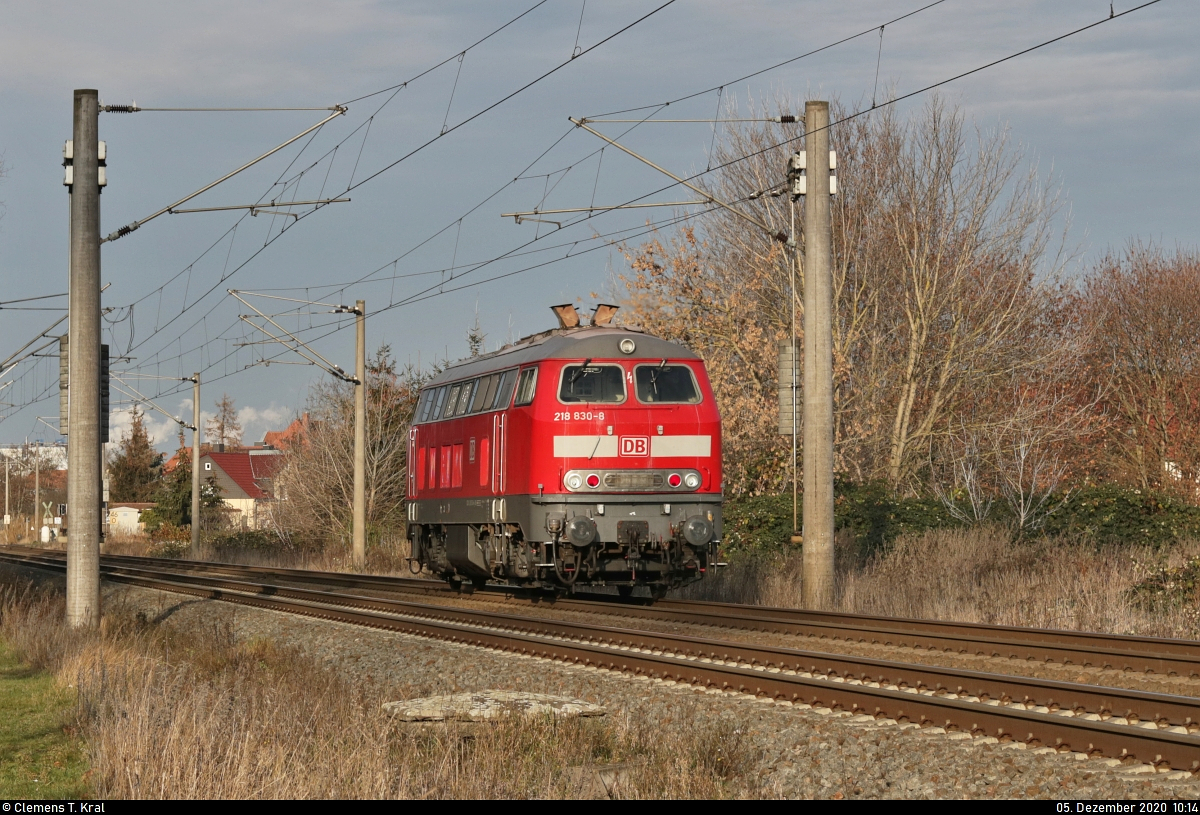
(654, 375)
(580, 372)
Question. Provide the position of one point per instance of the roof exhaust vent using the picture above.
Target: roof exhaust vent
(567, 316)
(604, 314)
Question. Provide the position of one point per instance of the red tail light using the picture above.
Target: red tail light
(674, 480)
(593, 480)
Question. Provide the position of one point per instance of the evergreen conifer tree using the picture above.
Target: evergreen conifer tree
(134, 469)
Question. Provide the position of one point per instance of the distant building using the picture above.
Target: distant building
(246, 480)
(54, 456)
(126, 517)
(293, 434)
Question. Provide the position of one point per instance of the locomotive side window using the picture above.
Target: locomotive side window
(464, 398)
(492, 392)
(527, 387)
(438, 401)
(672, 384)
(504, 390)
(423, 406)
(451, 402)
(592, 383)
(485, 392)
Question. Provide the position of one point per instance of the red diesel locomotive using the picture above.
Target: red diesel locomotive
(588, 454)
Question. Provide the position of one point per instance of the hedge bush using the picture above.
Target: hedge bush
(1107, 514)
(1103, 514)
(869, 511)
(1169, 587)
(247, 540)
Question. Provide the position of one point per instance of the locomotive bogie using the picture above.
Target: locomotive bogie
(570, 459)
(549, 541)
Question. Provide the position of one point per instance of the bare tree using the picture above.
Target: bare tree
(316, 479)
(964, 482)
(971, 230)
(1146, 349)
(224, 428)
(945, 286)
(1021, 455)
(23, 463)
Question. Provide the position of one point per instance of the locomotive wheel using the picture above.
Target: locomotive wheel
(478, 582)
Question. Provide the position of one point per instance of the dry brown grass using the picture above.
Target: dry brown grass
(169, 712)
(385, 557)
(979, 575)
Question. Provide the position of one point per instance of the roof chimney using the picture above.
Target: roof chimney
(604, 314)
(567, 316)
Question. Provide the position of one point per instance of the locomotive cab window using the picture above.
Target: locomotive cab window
(592, 383)
(663, 383)
(527, 387)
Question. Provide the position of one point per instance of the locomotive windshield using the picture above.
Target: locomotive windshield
(666, 383)
(592, 383)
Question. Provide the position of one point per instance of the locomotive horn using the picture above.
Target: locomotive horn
(604, 314)
(567, 316)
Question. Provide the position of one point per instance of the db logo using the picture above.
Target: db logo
(635, 445)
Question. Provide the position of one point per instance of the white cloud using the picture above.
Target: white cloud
(257, 421)
(164, 433)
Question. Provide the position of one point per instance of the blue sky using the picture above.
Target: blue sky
(1109, 114)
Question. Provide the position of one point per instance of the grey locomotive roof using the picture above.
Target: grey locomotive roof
(596, 342)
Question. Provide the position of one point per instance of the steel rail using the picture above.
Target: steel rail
(711, 662)
(1109, 651)
(1071, 697)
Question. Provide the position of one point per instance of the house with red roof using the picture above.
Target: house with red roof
(246, 479)
(295, 433)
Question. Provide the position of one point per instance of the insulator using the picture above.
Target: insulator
(786, 120)
(121, 108)
(123, 231)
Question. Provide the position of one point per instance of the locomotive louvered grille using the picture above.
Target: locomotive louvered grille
(634, 481)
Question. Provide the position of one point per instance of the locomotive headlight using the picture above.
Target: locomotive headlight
(697, 530)
(691, 480)
(627, 346)
(574, 481)
(581, 530)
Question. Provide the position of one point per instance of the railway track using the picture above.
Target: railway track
(1153, 728)
(1109, 651)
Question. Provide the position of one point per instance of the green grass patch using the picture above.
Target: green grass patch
(39, 757)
